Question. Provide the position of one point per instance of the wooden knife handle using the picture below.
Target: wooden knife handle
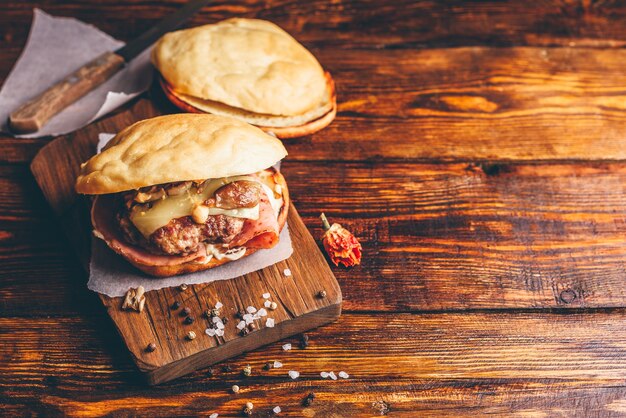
(31, 116)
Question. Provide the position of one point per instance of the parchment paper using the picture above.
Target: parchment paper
(113, 276)
(57, 46)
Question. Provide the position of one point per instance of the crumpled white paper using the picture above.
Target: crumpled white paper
(111, 275)
(56, 47)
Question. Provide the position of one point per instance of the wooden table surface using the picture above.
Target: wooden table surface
(478, 154)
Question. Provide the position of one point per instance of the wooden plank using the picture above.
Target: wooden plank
(362, 23)
(458, 236)
(375, 396)
(435, 236)
(473, 103)
(460, 104)
(432, 365)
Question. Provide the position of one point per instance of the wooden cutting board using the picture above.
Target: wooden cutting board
(299, 307)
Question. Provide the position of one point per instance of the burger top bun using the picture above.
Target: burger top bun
(245, 63)
(175, 148)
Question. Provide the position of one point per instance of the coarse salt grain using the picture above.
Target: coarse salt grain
(210, 332)
(241, 325)
(270, 324)
(262, 312)
(266, 295)
(287, 272)
(324, 375)
(218, 305)
(332, 375)
(216, 319)
(344, 375)
(214, 415)
(251, 309)
(248, 318)
(287, 347)
(278, 364)
(277, 410)
(219, 332)
(220, 325)
(293, 374)
(267, 304)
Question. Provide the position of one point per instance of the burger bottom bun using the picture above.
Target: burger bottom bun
(103, 220)
(282, 127)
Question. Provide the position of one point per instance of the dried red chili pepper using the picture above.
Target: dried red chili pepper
(341, 246)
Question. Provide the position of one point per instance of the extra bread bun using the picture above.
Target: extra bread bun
(283, 127)
(175, 148)
(249, 69)
(246, 63)
(104, 225)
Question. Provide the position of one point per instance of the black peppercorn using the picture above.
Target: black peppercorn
(321, 294)
(189, 320)
(182, 287)
(224, 320)
(210, 372)
(244, 332)
(207, 314)
(175, 305)
(240, 314)
(151, 347)
(186, 311)
(226, 368)
(304, 341)
(309, 399)
(267, 366)
(251, 326)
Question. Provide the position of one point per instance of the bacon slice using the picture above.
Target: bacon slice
(261, 233)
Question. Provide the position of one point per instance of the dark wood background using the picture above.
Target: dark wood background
(478, 154)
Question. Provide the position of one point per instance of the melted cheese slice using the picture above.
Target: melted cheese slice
(147, 220)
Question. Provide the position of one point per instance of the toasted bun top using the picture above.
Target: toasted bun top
(246, 63)
(175, 148)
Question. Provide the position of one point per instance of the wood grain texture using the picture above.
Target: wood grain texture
(473, 103)
(431, 365)
(361, 23)
(435, 236)
(509, 90)
(325, 25)
(459, 236)
(460, 104)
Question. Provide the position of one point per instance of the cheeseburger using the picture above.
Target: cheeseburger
(248, 69)
(182, 193)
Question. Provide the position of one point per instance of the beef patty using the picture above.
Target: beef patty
(183, 236)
